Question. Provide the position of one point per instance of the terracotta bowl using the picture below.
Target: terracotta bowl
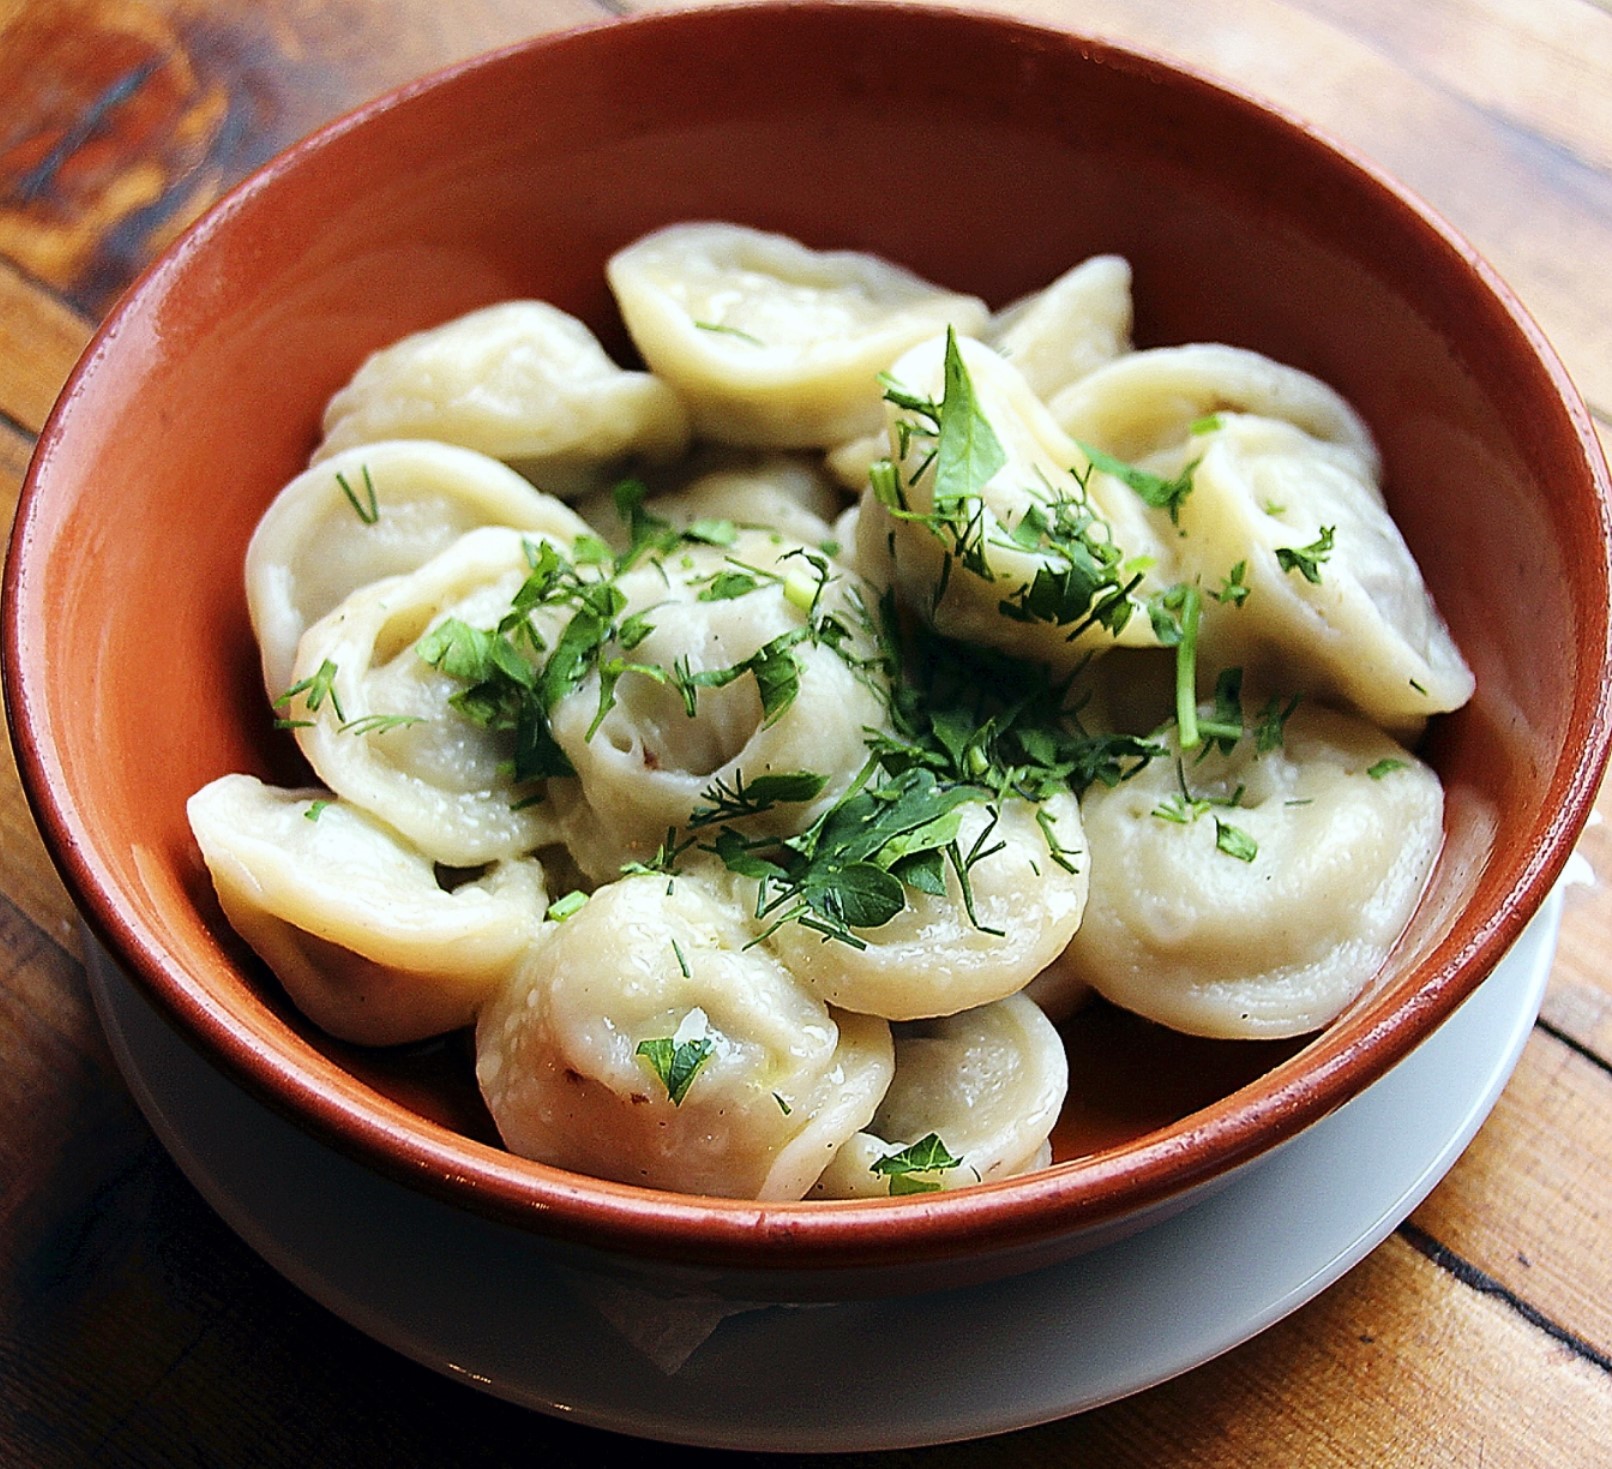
(982, 153)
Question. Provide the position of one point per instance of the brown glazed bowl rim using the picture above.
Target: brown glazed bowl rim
(1012, 1216)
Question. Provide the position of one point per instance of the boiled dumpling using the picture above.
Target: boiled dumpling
(988, 1084)
(1256, 893)
(377, 510)
(352, 919)
(769, 342)
(702, 704)
(521, 381)
(1061, 333)
(1143, 402)
(934, 958)
(784, 494)
(1023, 561)
(1358, 626)
(779, 1082)
(374, 720)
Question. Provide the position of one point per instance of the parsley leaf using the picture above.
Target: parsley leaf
(676, 1063)
(912, 1170)
(1154, 490)
(1306, 560)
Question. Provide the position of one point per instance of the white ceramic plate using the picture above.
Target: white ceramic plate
(483, 1303)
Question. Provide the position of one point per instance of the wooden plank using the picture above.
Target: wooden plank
(1527, 1204)
(1397, 1364)
(1541, 66)
(41, 337)
(129, 120)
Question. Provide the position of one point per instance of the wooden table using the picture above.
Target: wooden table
(135, 1329)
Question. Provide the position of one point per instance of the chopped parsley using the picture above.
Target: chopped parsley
(1306, 560)
(913, 1170)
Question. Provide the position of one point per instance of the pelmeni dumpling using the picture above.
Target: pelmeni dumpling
(374, 718)
(933, 958)
(771, 343)
(740, 616)
(959, 566)
(1364, 630)
(787, 495)
(1061, 333)
(784, 1081)
(989, 1083)
(521, 381)
(1143, 402)
(352, 919)
(1263, 915)
(376, 510)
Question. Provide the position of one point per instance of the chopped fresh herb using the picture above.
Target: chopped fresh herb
(315, 689)
(1420, 688)
(1271, 729)
(682, 960)
(367, 509)
(729, 331)
(1234, 587)
(1208, 424)
(1306, 560)
(1154, 490)
(728, 586)
(913, 1169)
(783, 1106)
(368, 724)
(741, 799)
(677, 1062)
(315, 810)
(1234, 841)
(562, 908)
(1385, 767)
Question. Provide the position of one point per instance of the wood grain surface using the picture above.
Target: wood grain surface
(136, 1330)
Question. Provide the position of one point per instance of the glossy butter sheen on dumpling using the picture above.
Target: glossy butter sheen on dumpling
(782, 1084)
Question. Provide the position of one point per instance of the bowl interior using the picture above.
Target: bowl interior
(982, 154)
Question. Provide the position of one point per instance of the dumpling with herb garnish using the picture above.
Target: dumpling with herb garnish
(368, 943)
(1059, 334)
(1332, 601)
(644, 1040)
(1144, 402)
(969, 928)
(771, 343)
(985, 527)
(521, 381)
(381, 509)
(786, 495)
(974, 1099)
(737, 682)
(1255, 893)
(375, 714)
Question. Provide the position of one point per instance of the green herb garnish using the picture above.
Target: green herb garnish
(912, 1170)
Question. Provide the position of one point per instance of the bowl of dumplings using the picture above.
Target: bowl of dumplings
(791, 644)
